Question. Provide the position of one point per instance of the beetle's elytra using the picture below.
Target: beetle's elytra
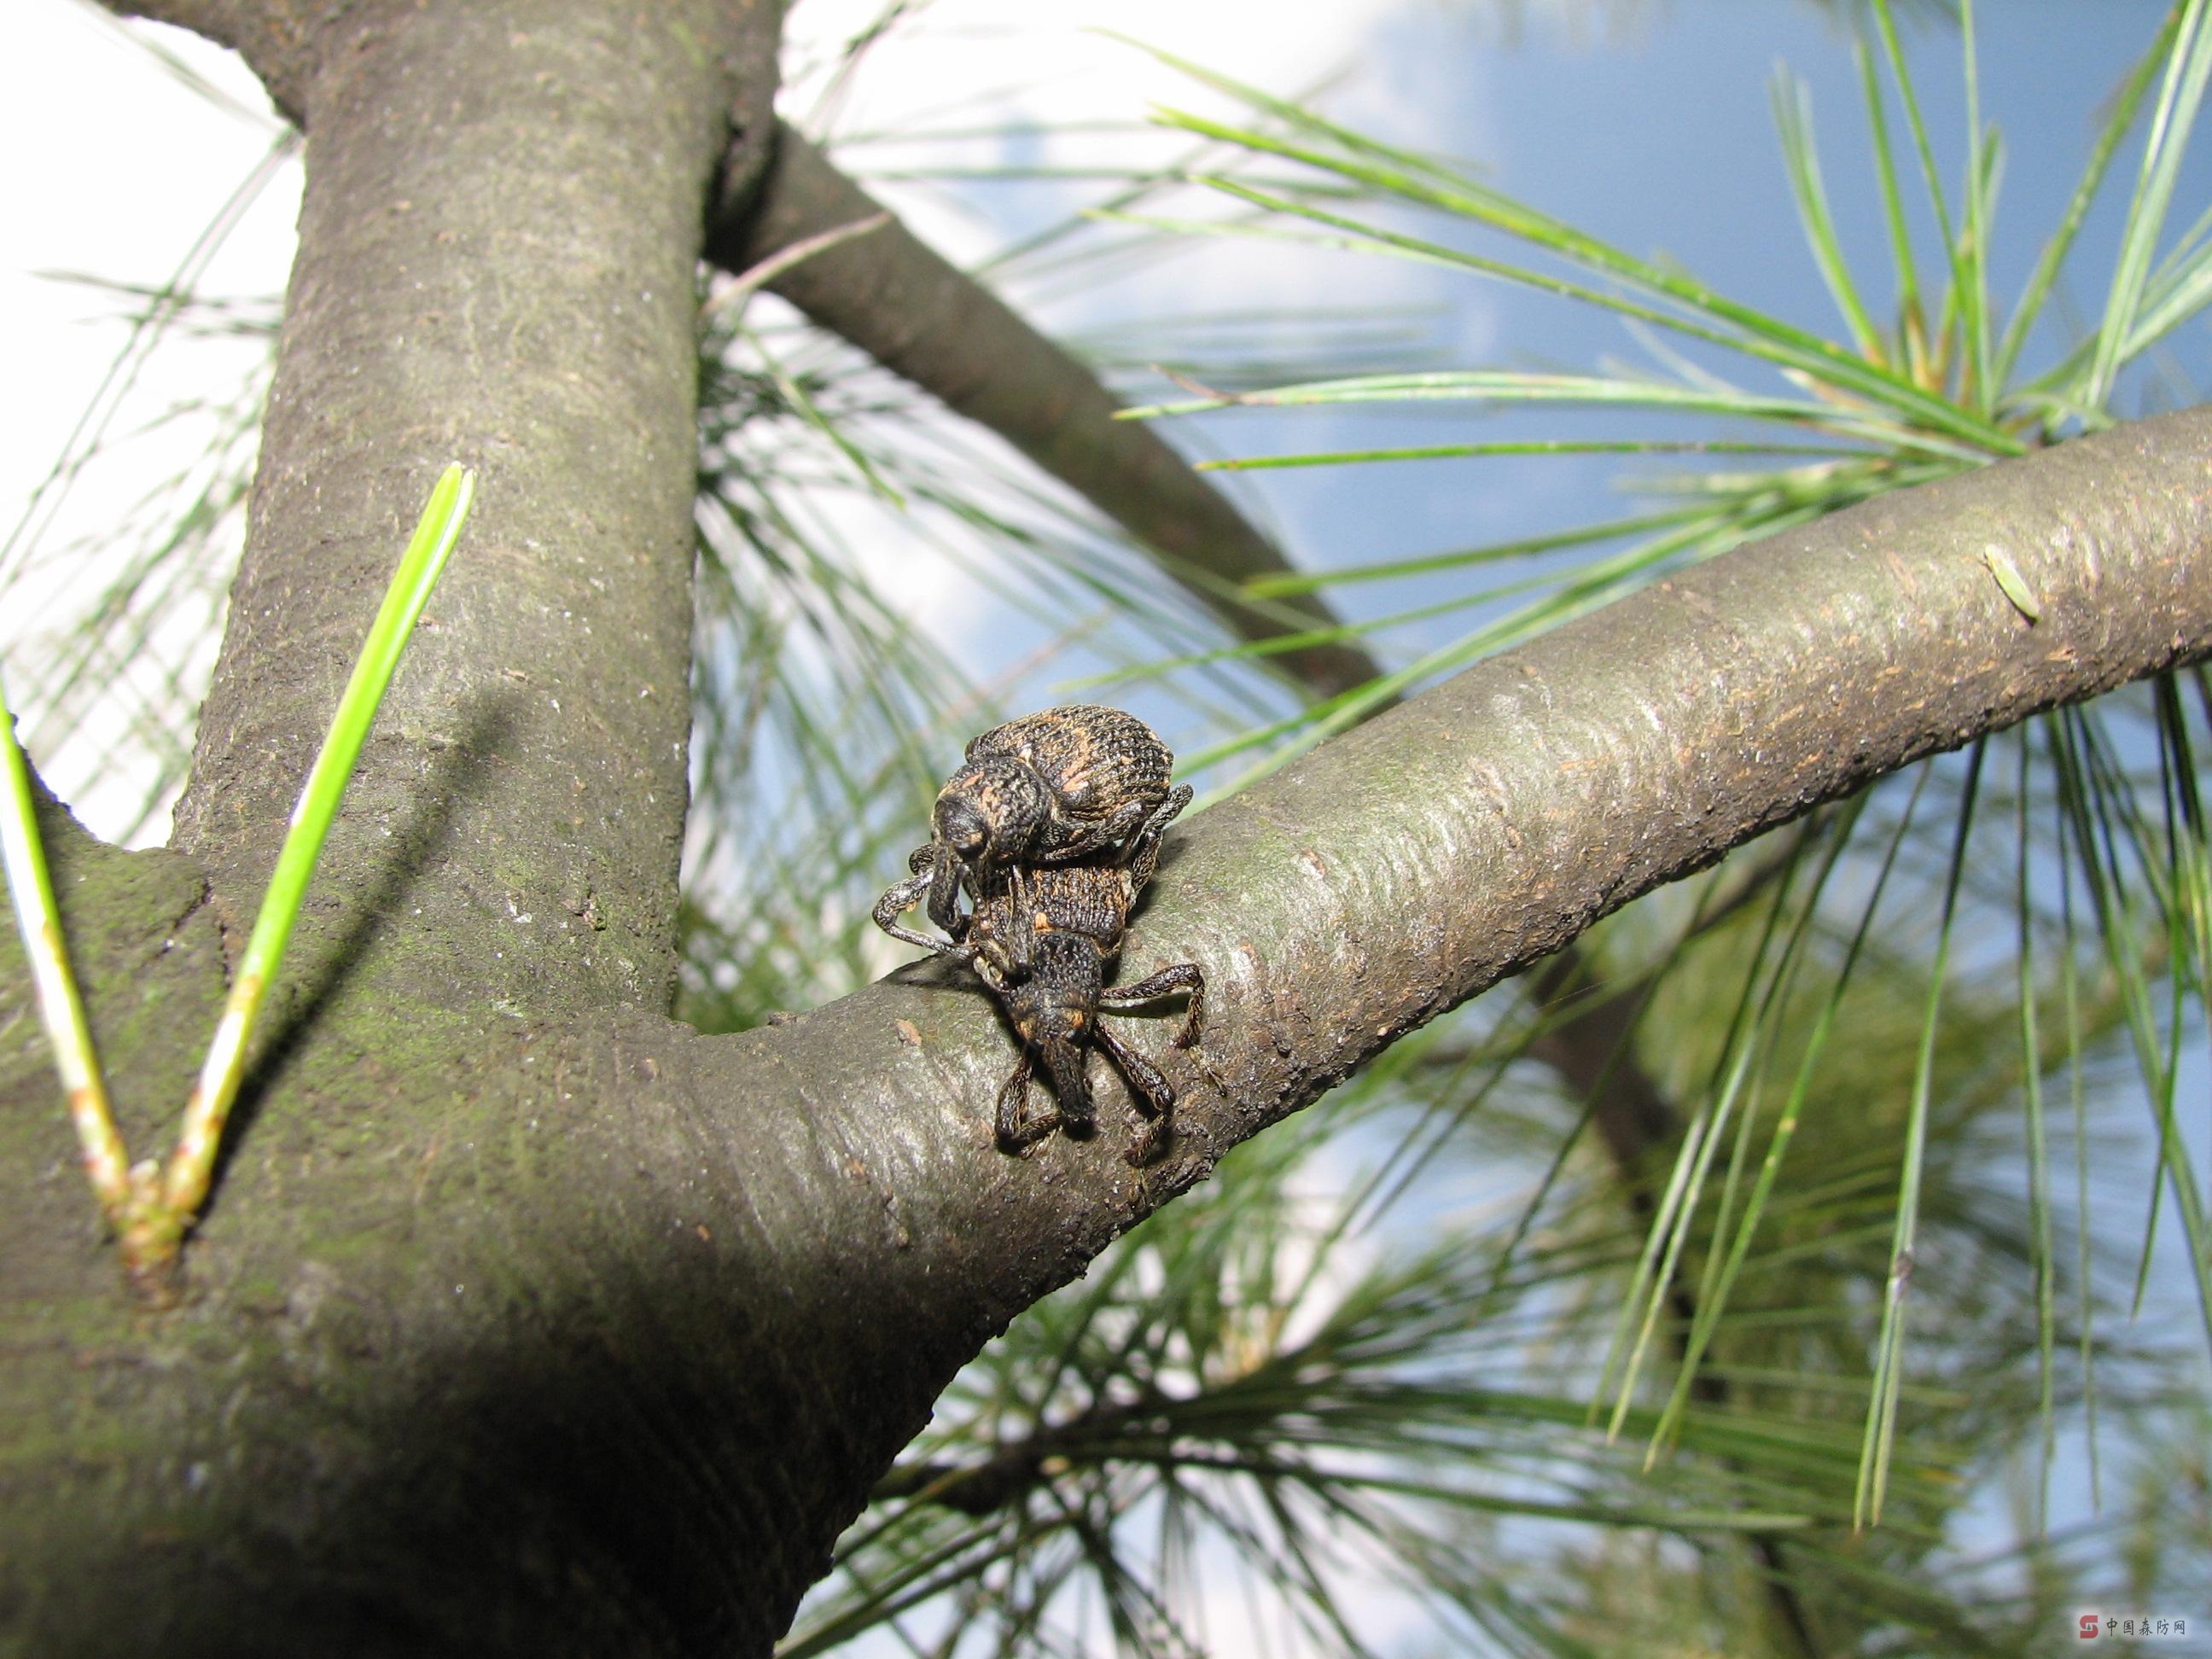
(1051, 787)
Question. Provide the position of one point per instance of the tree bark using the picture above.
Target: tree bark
(599, 1342)
(527, 1320)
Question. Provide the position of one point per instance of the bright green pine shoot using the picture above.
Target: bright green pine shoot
(60, 1007)
(151, 1243)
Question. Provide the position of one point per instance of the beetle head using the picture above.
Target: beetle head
(1052, 1019)
(960, 825)
(1054, 993)
(990, 811)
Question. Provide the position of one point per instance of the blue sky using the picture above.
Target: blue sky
(1661, 141)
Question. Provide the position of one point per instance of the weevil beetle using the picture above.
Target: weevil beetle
(1043, 944)
(1049, 788)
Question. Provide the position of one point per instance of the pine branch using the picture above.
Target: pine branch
(670, 1304)
(902, 303)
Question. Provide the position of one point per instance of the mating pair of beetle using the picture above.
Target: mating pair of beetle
(1051, 830)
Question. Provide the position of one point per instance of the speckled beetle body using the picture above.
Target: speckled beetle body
(1053, 787)
(1044, 943)
(1043, 940)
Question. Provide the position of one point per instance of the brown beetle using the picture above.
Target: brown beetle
(1043, 941)
(1044, 945)
(1049, 788)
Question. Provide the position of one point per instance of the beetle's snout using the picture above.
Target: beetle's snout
(1071, 1081)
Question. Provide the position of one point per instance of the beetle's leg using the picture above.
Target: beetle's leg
(1183, 977)
(1133, 829)
(1142, 856)
(1016, 1130)
(1017, 956)
(1108, 832)
(904, 897)
(988, 958)
(1155, 1096)
(1169, 810)
(1136, 830)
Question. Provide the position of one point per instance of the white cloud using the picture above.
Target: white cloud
(131, 167)
(1073, 68)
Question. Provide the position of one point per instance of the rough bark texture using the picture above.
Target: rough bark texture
(496, 258)
(596, 1348)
